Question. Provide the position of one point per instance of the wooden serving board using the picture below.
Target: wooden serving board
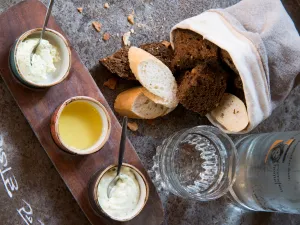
(38, 106)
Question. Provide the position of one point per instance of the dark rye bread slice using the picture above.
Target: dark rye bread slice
(235, 84)
(225, 57)
(190, 49)
(202, 89)
(163, 51)
(118, 63)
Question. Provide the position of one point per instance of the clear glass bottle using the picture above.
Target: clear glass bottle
(197, 163)
(268, 172)
(202, 163)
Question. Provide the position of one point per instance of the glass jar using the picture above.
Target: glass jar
(268, 173)
(197, 163)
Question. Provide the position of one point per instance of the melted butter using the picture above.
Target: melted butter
(80, 125)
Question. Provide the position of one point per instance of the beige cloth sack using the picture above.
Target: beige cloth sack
(264, 45)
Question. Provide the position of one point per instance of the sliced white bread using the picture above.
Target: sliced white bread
(158, 100)
(231, 113)
(168, 111)
(154, 75)
(134, 104)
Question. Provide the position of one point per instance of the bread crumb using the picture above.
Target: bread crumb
(130, 19)
(111, 83)
(132, 31)
(97, 26)
(106, 5)
(106, 36)
(80, 9)
(126, 37)
(166, 43)
(150, 122)
(234, 111)
(133, 126)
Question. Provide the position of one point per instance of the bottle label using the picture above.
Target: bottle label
(279, 180)
(268, 177)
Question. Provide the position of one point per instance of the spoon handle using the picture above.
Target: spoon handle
(122, 144)
(47, 17)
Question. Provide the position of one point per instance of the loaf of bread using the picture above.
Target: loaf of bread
(202, 89)
(118, 62)
(158, 100)
(190, 50)
(231, 113)
(161, 51)
(235, 84)
(134, 104)
(225, 57)
(155, 76)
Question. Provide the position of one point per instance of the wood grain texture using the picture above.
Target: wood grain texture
(38, 106)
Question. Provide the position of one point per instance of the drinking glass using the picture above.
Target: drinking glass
(197, 163)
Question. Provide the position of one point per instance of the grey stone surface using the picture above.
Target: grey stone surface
(39, 182)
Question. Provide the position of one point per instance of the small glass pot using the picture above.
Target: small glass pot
(197, 163)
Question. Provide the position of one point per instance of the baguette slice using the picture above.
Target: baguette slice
(155, 76)
(158, 100)
(231, 113)
(134, 104)
(168, 111)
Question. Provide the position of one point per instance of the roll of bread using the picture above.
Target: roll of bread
(155, 76)
(160, 101)
(134, 104)
(231, 113)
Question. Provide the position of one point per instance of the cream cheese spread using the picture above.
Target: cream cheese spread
(42, 67)
(124, 197)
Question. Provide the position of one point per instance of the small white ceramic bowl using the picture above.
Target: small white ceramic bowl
(106, 126)
(62, 67)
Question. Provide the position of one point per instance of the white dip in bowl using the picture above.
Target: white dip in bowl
(42, 67)
(128, 196)
(50, 64)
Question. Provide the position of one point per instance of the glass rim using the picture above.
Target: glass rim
(221, 185)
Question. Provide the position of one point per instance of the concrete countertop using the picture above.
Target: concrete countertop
(42, 187)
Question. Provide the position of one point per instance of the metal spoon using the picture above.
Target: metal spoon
(121, 154)
(44, 28)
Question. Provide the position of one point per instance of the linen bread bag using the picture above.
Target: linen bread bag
(264, 46)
